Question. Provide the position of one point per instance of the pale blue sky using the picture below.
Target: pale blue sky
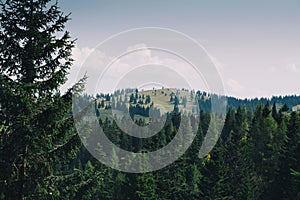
(256, 44)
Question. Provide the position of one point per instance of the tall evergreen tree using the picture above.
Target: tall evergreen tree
(263, 132)
(275, 114)
(39, 136)
(290, 160)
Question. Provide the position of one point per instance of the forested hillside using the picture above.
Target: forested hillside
(256, 157)
(188, 102)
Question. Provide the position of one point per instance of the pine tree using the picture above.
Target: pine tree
(285, 108)
(263, 132)
(39, 136)
(194, 183)
(275, 114)
(184, 101)
(290, 160)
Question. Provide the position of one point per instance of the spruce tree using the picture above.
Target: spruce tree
(38, 137)
(275, 114)
(291, 158)
(263, 134)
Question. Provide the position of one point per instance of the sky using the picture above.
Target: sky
(255, 45)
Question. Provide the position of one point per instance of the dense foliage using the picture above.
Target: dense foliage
(257, 157)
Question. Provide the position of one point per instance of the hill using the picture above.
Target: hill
(158, 102)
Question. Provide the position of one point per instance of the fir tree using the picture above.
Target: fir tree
(39, 136)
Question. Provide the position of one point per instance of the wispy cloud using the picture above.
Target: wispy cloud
(293, 67)
(140, 65)
(234, 86)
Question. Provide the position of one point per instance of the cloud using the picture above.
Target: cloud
(80, 55)
(234, 86)
(141, 65)
(293, 67)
